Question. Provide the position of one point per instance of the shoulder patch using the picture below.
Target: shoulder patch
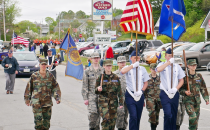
(105, 81)
(114, 80)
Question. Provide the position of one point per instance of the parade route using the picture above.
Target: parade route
(71, 114)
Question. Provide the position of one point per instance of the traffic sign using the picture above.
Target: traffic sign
(80, 35)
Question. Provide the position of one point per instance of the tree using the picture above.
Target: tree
(89, 28)
(71, 14)
(75, 24)
(117, 12)
(107, 24)
(26, 24)
(49, 20)
(80, 14)
(156, 9)
(206, 6)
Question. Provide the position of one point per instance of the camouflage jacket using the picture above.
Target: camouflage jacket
(39, 90)
(111, 91)
(89, 81)
(197, 86)
(122, 80)
(153, 88)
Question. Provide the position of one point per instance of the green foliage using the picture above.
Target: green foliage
(164, 39)
(22, 26)
(75, 24)
(156, 9)
(89, 28)
(117, 12)
(190, 20)
(194, 33)
(107, 24)
(149, 37)
(49, 20)
(80, 14)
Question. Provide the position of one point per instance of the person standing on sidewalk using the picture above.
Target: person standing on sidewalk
(88, 91)
(40, 88)
(41, 49)
(122, 114)
(45, 49)
(11, 68)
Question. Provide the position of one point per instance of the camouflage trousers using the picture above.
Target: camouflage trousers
(42, 118)
(180, 113)
(193, 110)
(153, 107)
(122, 116)
(94, 115)
(109, 116)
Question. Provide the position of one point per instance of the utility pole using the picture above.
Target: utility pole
(4, 20)
(59, 25)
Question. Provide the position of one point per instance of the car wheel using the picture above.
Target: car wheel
(81, 53)
(127, 57)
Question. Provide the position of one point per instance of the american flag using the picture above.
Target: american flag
(139, 11)
(19, 40)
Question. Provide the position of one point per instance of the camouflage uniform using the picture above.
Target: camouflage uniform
(122, 114)
(193, 101)
(108, 101)
(38, 93)
(181, 106)
(152, 98)
(88, 93)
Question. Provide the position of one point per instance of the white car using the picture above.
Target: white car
(87, 53)
(208, 67)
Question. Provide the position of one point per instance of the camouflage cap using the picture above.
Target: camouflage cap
(121, 59)
(191, 62)
(43, 61)
(107, 62)
(178, 61)
(153, 66)
(95, 54)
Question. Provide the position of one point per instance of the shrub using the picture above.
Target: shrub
(149, 37)
(164, 39)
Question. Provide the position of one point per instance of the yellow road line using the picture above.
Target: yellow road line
(24, 80)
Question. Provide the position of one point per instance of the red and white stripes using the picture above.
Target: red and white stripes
(139, 11)
(20, 40)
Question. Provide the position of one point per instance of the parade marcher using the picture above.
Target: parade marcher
(135, 99)
(45, 49)
(122, 114)
(41, 86)
(11, 68)
(181, 106)
(91, 74)
(169, 96)
(152, 98)
(192, 98)
(109, 91)
(52, 63)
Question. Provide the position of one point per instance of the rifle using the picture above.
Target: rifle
(186, 71)
(52, 64)
(102, 76)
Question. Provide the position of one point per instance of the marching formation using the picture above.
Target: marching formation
(114, 96)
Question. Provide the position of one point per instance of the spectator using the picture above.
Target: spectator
(59, 58)
(109, 53)
(41, 49)
(53, 50)
(32, 48)
(45, 48)
(89, 62)
(161, 57)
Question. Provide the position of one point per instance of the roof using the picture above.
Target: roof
(118, 17)
(157, 25)
(205, 21)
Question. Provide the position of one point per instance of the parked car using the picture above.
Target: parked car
(90, 39)
(87, 46)
(208, 67)
(28, 62)
(200, 52)
(88, 53)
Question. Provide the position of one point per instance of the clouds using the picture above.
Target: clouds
(37, 10)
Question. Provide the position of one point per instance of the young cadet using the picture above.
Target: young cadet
(151, 94)
(109, 93)
(192, 98)
(122, 114)
(91, 74)
(181, 106)
(169, 96)
(135, 99)
(41, 86)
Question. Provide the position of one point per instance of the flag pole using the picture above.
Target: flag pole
(136, 59)
(172, 46)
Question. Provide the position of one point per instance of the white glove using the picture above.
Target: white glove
(171, 60)
(173, 90)
(137, 94)
(136, 64)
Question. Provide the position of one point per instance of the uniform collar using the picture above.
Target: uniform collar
(111, 75)
(195, 76)
(92, 69)
(47, 74)
(151, 76)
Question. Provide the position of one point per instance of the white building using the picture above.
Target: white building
(206, 26)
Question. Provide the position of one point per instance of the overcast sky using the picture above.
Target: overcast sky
(37, 10)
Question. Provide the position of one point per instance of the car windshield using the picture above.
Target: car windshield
(181, 48)
(25, 56)
(196, 47)
(160, 48)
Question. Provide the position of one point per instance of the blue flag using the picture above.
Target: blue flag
(172, 9)
(74, 67)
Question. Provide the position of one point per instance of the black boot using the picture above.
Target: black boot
(153, 126)
(92, 129)
(121, 129)
(178, 127)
